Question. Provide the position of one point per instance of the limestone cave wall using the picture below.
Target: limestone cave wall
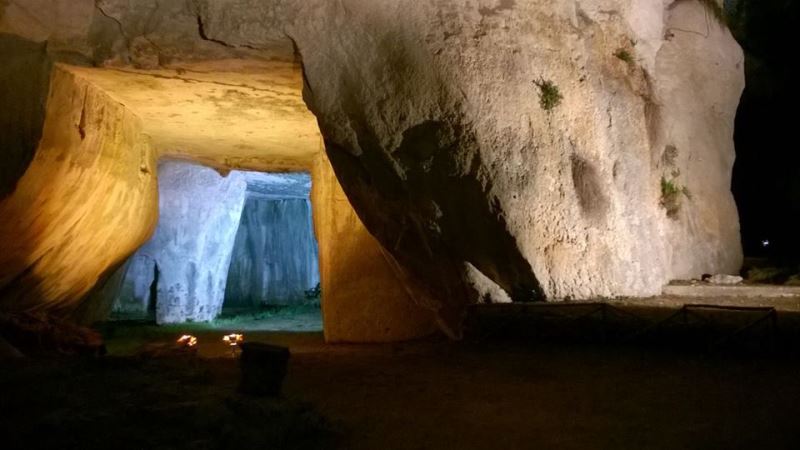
(365, 297)
(86, 202)
(563, 149)
(240, 240)
(275, 254)
(24, 76)
(549, 149)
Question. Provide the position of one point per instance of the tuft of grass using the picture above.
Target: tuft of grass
(669, 187)
(624, 55)
(549, 94)
(265, 312)
(671, 193)
(314, 293)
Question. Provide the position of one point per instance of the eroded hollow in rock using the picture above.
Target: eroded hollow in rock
(241, 245)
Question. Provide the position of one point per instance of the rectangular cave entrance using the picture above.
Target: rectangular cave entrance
(273, 280)
(235, 251)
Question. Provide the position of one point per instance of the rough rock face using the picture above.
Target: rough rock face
(23, 81)
(440, 135)
(561, 148)
(362, 298)
(192, 246)
(135, 295)
(82, 206)
(275, 254)
(271, 245)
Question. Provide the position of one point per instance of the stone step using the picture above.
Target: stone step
(739, 290)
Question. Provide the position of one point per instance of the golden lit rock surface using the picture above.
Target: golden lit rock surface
(228, 114)
(362, 299)
(89, 198)
(87, 201)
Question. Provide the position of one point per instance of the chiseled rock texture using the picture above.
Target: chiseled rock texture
(275, 254)
(433, 121)
(136, 294)
(363, 298)
(199, 213)
(271, 248)
(84, 204)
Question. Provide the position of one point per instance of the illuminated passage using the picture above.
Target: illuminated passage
(241, 241)
(113, 164)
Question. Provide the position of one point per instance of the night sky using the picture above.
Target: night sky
(766, 179)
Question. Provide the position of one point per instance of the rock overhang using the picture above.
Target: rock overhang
(230, 114)
(278, 185)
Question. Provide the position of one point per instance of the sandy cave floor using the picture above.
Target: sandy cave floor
(434, 394)
(496, 396)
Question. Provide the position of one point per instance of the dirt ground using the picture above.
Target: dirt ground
(437, 394)
(510, 394)
(500, 396)
(177, 401)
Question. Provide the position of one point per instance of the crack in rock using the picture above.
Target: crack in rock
(117, 21)
(201, 30)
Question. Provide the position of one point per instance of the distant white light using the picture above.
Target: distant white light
(765, 243)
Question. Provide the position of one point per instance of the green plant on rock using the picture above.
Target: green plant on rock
(549, 95)
(671, 193)
(314, 293)
(624, 55)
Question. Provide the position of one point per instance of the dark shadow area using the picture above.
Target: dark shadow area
(135, 403)
(24, 77)
(715, 330)
(766, 178)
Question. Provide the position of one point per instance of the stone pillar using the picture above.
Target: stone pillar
(363, 300)
(191, 248)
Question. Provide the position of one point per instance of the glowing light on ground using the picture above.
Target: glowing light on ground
(233, 339)
(187, 340)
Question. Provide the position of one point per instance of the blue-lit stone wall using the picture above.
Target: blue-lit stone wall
(275, 255)
(242, 240)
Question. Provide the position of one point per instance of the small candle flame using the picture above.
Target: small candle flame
(187, 340)
(233, 339)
